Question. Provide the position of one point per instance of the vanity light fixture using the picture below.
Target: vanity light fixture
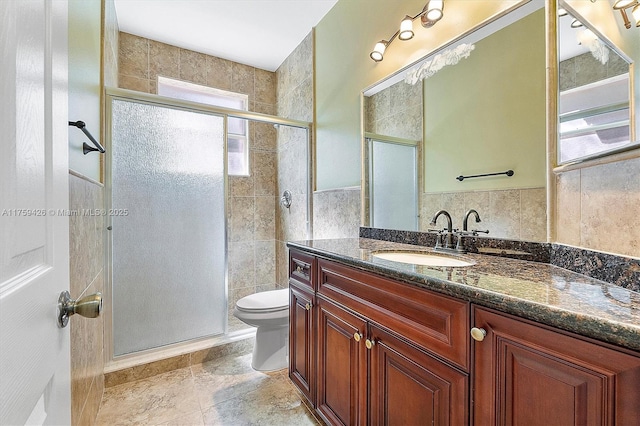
(576, 24)
(431, 13)
(622, 5)
(562, 12)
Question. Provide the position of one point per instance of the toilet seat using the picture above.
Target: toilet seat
(265, 302)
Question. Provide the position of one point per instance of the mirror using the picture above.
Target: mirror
(594, 104)
(494, 95)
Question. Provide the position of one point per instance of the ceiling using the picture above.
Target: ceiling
(260, 33)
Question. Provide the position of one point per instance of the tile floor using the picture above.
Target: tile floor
(221, 392)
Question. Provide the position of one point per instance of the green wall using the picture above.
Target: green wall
(344, 38)
(486, 114)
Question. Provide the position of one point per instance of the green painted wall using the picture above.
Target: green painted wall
(344, 38)
(486, 114)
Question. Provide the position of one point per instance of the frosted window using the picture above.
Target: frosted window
(168, 251)
(237, 128)
(393, 186)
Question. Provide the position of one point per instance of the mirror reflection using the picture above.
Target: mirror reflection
(481, 115)
(594, 101)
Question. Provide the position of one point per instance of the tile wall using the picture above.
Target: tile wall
(252, 200)
(294, 101)
(597, 207)
(86, 254)
(336, 213)
(516, 214)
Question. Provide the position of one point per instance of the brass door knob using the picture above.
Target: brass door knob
(308, 306)
(369, 343)
(478, 334)
(88, 307)
(357, 336)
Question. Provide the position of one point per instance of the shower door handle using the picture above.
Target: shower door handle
(88, 307)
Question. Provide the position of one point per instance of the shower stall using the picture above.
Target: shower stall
(185, 239)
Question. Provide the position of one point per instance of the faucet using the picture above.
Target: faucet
(465, 230)
(448, 241)
(466, 218)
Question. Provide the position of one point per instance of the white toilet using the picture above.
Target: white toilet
(269, 311)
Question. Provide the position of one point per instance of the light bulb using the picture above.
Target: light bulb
(406, 28)
(378, 51)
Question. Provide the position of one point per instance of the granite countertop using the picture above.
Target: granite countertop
(537, 291)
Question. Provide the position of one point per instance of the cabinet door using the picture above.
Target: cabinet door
(342, 376)
(302, 342)
(526, 374)
(410, 387)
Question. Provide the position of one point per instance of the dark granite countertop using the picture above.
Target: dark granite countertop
(536, 291)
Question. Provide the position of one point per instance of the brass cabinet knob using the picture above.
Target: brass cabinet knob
(357, 336)
(369, 343)
(478, 334)
(308, 306)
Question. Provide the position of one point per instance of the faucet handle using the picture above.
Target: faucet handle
(476, 231)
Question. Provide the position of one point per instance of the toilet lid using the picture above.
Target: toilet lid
(265, 301)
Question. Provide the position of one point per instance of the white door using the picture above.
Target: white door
(34, 237)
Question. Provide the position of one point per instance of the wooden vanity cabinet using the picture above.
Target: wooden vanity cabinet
(365, 349)
(529, 374)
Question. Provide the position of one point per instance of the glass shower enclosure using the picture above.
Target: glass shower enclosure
(167, 224)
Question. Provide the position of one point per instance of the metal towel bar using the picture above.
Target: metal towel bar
(85, 147)
(508, 173)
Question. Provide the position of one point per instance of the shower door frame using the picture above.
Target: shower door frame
(112, 362)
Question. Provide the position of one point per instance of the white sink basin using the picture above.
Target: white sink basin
(426, 259)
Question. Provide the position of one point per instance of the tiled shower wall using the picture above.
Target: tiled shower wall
(295, 101)
(252, 200)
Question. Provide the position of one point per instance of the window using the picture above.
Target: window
(237, 129)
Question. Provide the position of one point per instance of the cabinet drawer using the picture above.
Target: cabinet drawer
(436, 323)
(301, 268)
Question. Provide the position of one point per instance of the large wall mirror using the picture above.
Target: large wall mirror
(595, 91)
(481, 113)
(486, 113)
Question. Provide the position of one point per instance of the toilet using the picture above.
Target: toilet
(269, 311)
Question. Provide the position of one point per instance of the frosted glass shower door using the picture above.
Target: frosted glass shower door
(393, 185)
(168, 238)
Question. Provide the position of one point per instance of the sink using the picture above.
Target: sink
(426, 259)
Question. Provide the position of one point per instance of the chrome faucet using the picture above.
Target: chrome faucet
(448, 239)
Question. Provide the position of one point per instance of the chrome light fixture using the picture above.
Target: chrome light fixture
(622, 5)
(431, 13)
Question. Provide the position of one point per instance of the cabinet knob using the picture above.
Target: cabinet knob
(478, 334)
(369, 343)
(357, 336)
(308, 306)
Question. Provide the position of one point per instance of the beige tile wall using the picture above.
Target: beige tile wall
(336, 213)
(86, 253)
(512, 214)
(295, 101)
(597, 207)
(252, 200)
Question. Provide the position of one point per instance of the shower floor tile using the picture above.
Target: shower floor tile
(220, 392)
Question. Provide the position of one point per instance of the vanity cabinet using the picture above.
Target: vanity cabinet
(386, 352)
(365, 349)
(529, 374)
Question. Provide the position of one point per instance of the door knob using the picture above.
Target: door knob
(88, 307)
(369, 343)
(357, 336)
(478, 334)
